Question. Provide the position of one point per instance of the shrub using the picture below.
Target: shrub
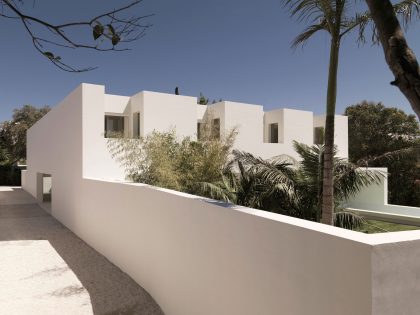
(163, 159)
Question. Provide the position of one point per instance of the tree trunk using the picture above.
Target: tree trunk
(328, 173)
(400, 58)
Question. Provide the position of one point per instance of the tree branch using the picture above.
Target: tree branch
(398, 55)
(110, 27)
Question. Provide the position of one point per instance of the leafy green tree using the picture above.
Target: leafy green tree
(382, 136)
(13, 132)
(107, 30)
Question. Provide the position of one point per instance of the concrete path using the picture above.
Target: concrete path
(46, 269)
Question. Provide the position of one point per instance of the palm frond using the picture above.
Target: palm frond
(273, 176)
(360, 21)
(387, 156)
(349, 179)
(303, 37)
(406, 10)
(216, 191)
(304, 9)
(312, 160)
(348, 220)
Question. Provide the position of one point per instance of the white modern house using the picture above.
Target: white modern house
(264, 134)
(198, 256)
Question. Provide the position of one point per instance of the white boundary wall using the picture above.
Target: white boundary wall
(198, 256)
(372, 202)
(195, 256)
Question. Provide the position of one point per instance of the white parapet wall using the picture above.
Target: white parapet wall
(372, 202)
(23, 180)
(199, 256)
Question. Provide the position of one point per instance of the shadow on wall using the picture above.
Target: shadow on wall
(111, 291)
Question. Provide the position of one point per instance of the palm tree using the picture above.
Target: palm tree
(337, 18)
(285, 186)
(348, 180)
(253, 182)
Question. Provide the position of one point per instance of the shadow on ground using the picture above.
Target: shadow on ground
(111, 291)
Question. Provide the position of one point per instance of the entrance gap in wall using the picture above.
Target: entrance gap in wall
(44, 190)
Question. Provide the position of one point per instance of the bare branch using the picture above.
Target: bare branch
(109, 30)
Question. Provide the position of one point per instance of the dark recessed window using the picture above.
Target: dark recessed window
(198, 131)
(215, 128)
(136, 125)
(274, 133)
(319, 135)
(114, 126)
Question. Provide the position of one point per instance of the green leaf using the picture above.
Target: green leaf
(115, 39)
(49, 55)
(111, 29)
(98, 31)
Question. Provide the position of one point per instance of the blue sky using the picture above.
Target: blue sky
(237, 50)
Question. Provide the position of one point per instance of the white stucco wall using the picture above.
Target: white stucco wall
(341, 138)
(274, 117)
(375, 195)
(164, 112)
(218, 111)
(96, 156)
(201, 111)
(116, 104)
(248, 121)
(372, 202)
(197, 257)
(298, 126)
(54, 146)
(24, 183)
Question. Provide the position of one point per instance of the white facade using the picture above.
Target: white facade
(165, 112)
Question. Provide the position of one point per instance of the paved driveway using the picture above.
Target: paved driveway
(46, 269)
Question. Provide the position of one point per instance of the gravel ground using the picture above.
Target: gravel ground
(62, 272)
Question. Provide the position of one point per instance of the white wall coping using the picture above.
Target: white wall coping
(368, 239)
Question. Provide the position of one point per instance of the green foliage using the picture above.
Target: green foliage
(202, 100)
(161, 159)
(348, 220)
(375, 226)
(284, 186)
(98, 30)
(209, 168)
(387, 137)
(9, 175)
(247, 181)
(348, 180)
(13, 132)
